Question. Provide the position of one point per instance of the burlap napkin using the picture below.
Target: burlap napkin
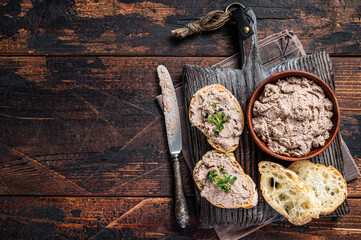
(273, 49)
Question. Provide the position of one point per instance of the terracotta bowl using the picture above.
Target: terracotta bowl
(329, 93)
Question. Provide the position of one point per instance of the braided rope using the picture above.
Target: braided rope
(212, 21)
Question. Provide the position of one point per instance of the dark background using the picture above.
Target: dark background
(82, 141)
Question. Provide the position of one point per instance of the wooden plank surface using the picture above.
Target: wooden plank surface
(143, 27)
(79, 120)
(84, 123)
(94, 218)
(137, 217)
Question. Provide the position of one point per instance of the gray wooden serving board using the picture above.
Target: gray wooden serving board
(242, 84)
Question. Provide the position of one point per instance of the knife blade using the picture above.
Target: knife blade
(171, 112)
(174, 137)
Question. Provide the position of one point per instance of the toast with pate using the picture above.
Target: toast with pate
(223, 182)
(327, 183)
(218, 115)
(284, 191)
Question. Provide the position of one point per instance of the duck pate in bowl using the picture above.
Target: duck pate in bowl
(293, 115)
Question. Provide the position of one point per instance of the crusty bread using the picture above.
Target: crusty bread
(284, 191)
(328, 184)
(199, 180)
(225, 91)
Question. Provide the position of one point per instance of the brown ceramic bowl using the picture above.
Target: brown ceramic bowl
(329, 93)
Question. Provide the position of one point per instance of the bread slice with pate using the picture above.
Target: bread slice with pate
(327, 183)
(223, 182)
(218, 115)
(284, 191)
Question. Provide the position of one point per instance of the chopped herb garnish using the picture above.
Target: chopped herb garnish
(221, 168)
(222, 181)
(214, 105)
(218, 118)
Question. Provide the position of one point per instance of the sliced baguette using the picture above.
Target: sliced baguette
(284, 191)
(243, 193)
(227, 94)
(328, 184)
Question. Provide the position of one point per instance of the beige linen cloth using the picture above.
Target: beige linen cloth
(275, 48)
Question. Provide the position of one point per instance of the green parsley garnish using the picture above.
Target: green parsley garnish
(222, 181)
(218, 118)
(221, 168)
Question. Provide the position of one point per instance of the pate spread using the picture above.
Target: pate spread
(241, 190)
(293, 116)
(203, 107)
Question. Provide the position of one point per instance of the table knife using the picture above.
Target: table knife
(174, 136)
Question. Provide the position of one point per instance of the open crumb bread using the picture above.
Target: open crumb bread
(328, 184)
(284, 191)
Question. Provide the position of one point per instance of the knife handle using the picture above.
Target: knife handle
(181, 208)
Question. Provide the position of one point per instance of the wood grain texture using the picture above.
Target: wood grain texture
(94, 218)
(137, 217)
(89, 119)
(78, 115)
(143, 27)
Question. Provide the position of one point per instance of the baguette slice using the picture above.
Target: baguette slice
(243, 192)
(233, 127)
(328, 184)
(284, 191)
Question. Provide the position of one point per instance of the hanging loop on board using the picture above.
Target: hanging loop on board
(234, 4)
(241, 19)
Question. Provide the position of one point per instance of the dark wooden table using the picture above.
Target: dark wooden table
(83, 147)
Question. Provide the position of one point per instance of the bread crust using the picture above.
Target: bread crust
(250, 204)
(226, 91)
(294, 177)
(297, 164)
